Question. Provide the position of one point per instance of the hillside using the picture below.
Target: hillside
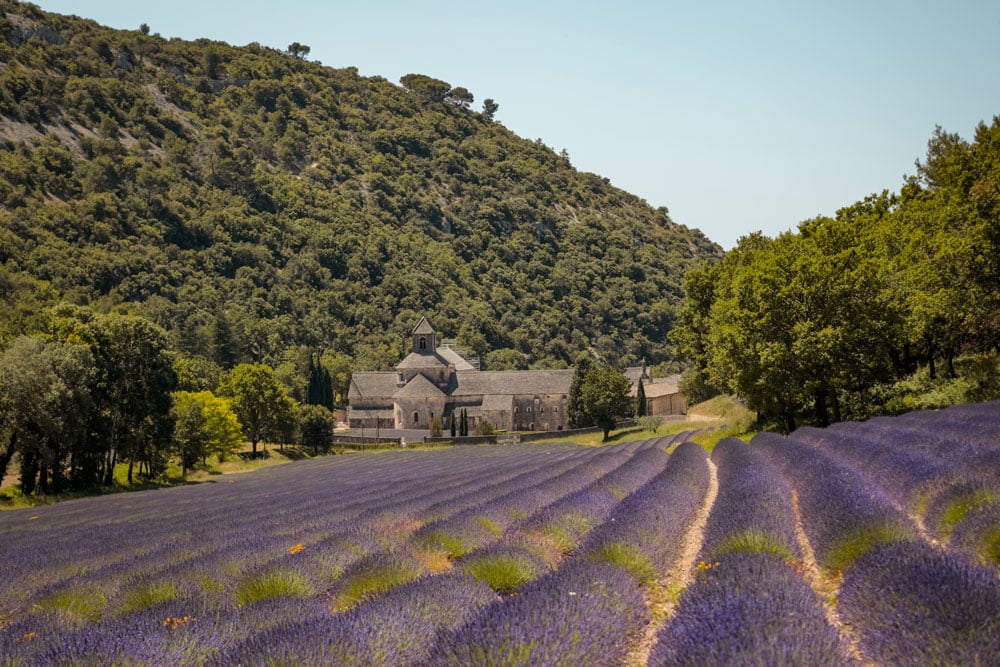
(250, 201)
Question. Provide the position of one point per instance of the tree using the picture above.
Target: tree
(605, 393)
(299, 51)
(461, 97)
(45, 404)
(650, 423)
(190, 430)
(316, 427)
(260, 402)
(140, 380)
(435, 427)
(489, 109)
(640, 400)
(425, 87)
(576, 409)
(451, 423)
(204, 425)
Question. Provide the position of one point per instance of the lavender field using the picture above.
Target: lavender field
(863, 543)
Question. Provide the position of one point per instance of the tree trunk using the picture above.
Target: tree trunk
(789, 415)
(822, 416)
(131, 464)
(835, 405)
(7, 454)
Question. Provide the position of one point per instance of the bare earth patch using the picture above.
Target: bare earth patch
(662, 597)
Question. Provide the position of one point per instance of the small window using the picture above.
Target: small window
(541, 409)
(528, 409)
(517, 411)
(423, 343)
(416, 417)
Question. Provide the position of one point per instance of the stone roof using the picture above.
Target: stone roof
(423, 327)
(658, 387)
(635, 373)
(419, 387)
(482, 383)
(455, 359)
(415, 360)
(371, 385)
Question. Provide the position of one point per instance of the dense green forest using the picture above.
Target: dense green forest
(254, 204)
(893, 304)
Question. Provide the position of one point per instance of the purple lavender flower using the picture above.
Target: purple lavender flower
(913, 605)
(748, 609)
(586, 614)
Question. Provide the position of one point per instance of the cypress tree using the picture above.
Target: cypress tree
(640, 400)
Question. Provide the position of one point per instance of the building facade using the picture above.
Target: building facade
(435, 382)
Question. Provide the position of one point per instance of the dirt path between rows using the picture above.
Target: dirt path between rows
(662, 598)
(826, 587)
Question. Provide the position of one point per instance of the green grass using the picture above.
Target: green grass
(956, 510)
(278, 583)
(989, 547)
(628, 557)
(80, 602)
(847, 550)
(146, 596)
(754, 542)
(454, 546)
(503, 572)
(368, 582)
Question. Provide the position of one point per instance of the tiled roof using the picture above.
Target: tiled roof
(419, 387)
(455, 359)
(660, 387)
(472, 383)
(417, 360)
(423, 327)
(370, 385)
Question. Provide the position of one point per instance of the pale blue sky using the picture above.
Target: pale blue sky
(737, 116)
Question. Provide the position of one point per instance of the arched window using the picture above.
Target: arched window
(517, 410)
(416, 417)
(423, 343)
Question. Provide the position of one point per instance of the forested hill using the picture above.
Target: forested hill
(250, 201)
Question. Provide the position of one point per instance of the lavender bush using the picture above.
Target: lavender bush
(914, 605)
(584, 614)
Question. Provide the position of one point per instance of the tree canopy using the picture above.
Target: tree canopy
(823, 321)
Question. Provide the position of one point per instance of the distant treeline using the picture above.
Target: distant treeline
(892, 304)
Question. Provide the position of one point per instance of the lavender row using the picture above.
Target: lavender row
(584, 614)
(591, 610)
(942, 483)
(645, 532)
(204, 567)
(844, 513)
(748, 609)
(749, 603)
(907, 602)
(753, 509)
(914, 605)
(540, 543)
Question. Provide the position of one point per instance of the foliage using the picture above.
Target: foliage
(204, 425)
(827, 321)
(261, 404)
(605, 393)
(249, 201)
(316, 426)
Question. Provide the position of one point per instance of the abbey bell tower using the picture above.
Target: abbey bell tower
(424, 338)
